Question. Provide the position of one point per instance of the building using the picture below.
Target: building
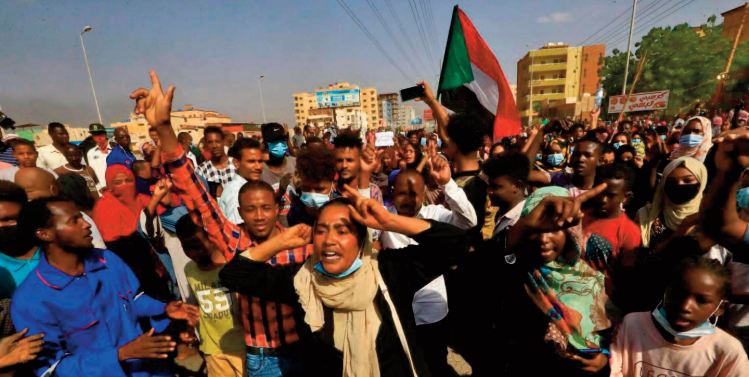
(731, 22)
(38, 133)
(556, 78)
(346, 101)
(355, 119)
(390, 108)
(406, 116)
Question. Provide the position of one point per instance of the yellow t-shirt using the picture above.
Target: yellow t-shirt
(220, 328)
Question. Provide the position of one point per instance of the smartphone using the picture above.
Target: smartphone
(412, 93)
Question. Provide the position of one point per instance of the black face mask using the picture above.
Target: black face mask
(12, 243)
(680, 194)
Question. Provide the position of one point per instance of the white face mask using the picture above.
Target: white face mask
(704, 329)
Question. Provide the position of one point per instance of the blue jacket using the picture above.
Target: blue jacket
(86, 318)
(119, 155)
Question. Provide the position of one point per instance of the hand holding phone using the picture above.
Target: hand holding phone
(413, 92)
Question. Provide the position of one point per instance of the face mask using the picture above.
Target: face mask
(617, 145)
(314, 200)
(277, 149)
(636, 141)
(555, 159)
(690, 140)
(706, 328)
(423, 141)
(539, 157)
(680, 194)
(12, 243)
(354, 266)
(742, 197)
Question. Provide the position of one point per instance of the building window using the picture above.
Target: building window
(541, 91)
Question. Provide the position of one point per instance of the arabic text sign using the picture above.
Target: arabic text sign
(640, 102)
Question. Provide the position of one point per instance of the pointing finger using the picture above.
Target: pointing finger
(155, 80)
(591, 193)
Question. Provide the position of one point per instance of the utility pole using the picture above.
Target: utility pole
(86, 29)
(629, 45)
(262, 100)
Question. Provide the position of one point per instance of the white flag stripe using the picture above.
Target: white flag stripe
(485, 88)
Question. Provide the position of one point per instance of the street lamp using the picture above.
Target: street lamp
(86, 29)
(262, 101)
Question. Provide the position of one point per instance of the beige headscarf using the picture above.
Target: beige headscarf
(699, 152)
(356, 321)
(673, 214)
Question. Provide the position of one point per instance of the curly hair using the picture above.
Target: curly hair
(316, 163)
(467, 131)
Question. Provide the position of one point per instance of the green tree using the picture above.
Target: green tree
(682, 59)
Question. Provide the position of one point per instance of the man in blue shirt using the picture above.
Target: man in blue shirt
(18, 255)
(87, 302)
(121, 153)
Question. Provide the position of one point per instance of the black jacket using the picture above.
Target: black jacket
(404, 270)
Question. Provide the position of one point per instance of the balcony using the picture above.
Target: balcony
(549, 52)
(548, 67)
(549, 96)
(549, 82)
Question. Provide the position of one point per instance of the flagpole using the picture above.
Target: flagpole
(629, 46)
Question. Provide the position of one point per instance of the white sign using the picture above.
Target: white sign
(384, 139)
(639, 102)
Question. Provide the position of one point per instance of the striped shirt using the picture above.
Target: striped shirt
(269, 324)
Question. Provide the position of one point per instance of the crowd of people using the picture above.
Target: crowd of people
(597, 248)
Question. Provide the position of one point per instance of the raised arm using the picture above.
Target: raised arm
(439, 112)
(461, 213)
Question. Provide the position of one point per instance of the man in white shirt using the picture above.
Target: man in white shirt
(247, 155)
(430, 302)
(97, 156)
(52, 156)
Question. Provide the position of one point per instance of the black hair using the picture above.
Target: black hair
(73, 187)
(213, 130)
(185, 227)
(11, 192)
(259, 185)
(36, 215)
(591, 139)
(244, 143)
(361, 229)
(347, 139)
(575, 126)
(624, 149)
(313, 140)
(418, 154)
(607, 148)
(710, 265)
(19, 142)
(182, 134)
(316, 163)
(616, 171)
(54, 125)
(661, 130)
(624, 134)
(152, 129)
(513, 165)
(467, 131)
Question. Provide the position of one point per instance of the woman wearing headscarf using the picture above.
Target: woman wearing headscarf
(548, 287)
(677, 196)
(353, 304)
(695, 140)
(116, 215)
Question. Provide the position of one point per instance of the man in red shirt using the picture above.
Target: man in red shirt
(613, 239)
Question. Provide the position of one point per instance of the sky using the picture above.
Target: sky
(215, 51)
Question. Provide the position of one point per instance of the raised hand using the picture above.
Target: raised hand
(428, 94)
(368, 212)
(162, 187)
(439, 170)
(183, 311)
(147, 346)
(556, 212)
(295, 236)
(19, 348)
(369, 158)
(733, 150)
(153, 103)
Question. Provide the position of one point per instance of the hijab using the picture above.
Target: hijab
(699, 152)
(673, 214)
(117, 212)
(576, 316)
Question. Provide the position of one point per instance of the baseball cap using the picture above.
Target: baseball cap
(272, 132)
(96, 128)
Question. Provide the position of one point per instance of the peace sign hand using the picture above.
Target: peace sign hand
(367, 212)
(557, 212)
(153, 103)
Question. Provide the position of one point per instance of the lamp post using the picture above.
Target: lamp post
(86, 29)
(262, 100)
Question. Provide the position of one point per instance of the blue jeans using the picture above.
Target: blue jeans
(272, 366)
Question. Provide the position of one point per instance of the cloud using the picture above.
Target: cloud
(555, 17)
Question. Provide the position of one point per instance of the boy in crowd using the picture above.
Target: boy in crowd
(18, 255)
(52, 156)
(584, 161)
(316, 171)
(355, 169)
(25, 153)
(220, 169)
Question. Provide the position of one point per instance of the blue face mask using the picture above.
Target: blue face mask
(423, 141)
(742, 197)
(354, 266)
(636, 141)
(618, 145)
(663, 137)
(704, 329)
(690, 140)
(314, 200)
(555, 159)
(277, 149)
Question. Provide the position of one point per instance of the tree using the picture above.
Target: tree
(682, 59)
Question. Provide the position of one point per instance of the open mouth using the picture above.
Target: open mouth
(330, 256)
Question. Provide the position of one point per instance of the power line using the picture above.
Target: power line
(390, 33)
(405, 34)
(623, 26)
(372, 38)
(640, 19)
(429, 17)
(420, 29)
(609, 23)
(645, 27)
